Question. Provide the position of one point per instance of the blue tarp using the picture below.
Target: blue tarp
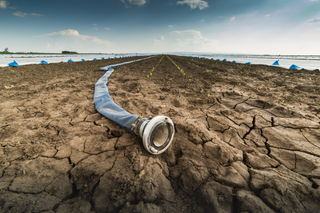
(294, 67)
(276, 63)
(104, 104)
(94, 59)
(102, 58)
(212, 59)
(234, 61)
(224, 59)
(13, 64)
(218, 59)
(43, 62)
(248, 63)
(70, 60)
(83, 60)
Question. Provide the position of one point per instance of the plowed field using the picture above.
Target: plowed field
(247, 138)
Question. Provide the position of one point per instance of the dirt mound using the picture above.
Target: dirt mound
(247, 138)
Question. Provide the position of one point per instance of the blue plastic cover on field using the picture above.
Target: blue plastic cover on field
(13, 64)
(276, 63)
(212, 59)
(294, 67)
(83, 60)
(104, 104)
(70, 60)
(94, 59)
(234, 61)
(102, 58)
(224, 59)
(43, 62)
(218, 59)
(248, 63)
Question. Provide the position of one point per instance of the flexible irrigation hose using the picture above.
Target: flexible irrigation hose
(157, 134)
(105, 105)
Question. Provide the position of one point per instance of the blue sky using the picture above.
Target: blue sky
(118, 26)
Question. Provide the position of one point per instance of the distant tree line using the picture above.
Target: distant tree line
(69, 52)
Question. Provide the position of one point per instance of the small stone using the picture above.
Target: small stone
(94, 117)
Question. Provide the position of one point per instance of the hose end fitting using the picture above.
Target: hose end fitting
(157, 134)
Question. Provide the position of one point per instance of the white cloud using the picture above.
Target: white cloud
(157, 40)
(99, 41)
(20, 14)
(95, 28)
(170, 25)
(192, 37)
(232, 18)
(107, 28)
(94, 24)
(182, 43)
(135, 2)
(317, 20)
(48, 45)
(75, 35)
(268, 15)
(34, 14)
(251, 14)
(195, 4)
(195, 33)
(3, 4)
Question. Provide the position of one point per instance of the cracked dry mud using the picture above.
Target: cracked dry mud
(237, 150)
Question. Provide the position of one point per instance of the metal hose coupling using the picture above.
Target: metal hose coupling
(157, 133)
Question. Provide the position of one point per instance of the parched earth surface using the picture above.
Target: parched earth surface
(247, 138)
